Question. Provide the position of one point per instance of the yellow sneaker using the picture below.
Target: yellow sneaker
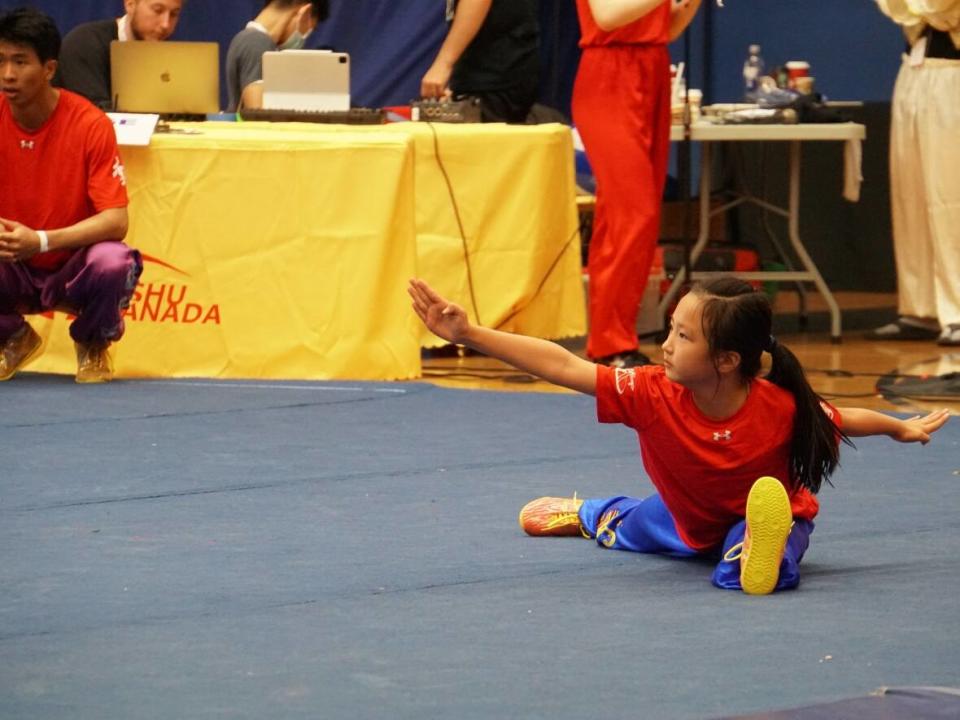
(18, 350)
(93, 363)
(552, 516)
(769, 520)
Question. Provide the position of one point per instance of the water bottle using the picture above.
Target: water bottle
(752, 71)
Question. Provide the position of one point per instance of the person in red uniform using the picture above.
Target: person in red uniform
(735, 458)
(63, 206)
(621, 108)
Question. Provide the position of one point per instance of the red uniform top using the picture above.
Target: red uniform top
(64, 172)
(652, 28)
(704, 468)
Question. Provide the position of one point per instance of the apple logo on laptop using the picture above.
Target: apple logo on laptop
(165, 77)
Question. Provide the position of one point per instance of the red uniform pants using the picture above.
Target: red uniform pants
(621, 107)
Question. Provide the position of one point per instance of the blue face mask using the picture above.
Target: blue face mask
(296, 41)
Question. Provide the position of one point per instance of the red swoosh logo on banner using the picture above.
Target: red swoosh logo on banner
(158, 261)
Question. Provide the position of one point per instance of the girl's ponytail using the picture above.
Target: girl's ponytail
(814, 452)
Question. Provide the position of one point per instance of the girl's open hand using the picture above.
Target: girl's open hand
(920, 428)
(443, 318)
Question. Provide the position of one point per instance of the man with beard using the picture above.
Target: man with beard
(85, 56)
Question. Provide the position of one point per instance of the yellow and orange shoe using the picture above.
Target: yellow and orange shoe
(93, 363)
(552, 516)
(769, 519)
(18, 350)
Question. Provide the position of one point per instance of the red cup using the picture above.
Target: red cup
(797, 69)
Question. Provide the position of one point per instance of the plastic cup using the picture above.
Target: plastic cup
(797, 69)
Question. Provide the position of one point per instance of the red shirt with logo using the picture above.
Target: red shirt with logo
(66, 171)
(652, 29)
(704, 468)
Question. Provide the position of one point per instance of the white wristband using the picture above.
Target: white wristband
(44, 241)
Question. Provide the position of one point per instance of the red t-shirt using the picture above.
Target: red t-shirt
(653, 28)
(64, 172)
(704, 468)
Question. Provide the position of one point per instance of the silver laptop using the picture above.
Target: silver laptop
(170, 78)
(306, 80)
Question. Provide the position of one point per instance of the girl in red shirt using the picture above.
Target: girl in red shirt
(736, 459)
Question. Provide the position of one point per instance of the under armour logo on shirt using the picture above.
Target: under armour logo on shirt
(26, 144)
(725, 435)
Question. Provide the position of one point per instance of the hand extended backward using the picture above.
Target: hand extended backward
(919, 428)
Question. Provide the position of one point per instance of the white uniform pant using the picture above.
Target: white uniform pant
(925, 188)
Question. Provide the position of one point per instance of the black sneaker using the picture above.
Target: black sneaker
(628, 359)
(446, 351)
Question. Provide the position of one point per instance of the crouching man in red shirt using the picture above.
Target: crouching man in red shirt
(63, 206)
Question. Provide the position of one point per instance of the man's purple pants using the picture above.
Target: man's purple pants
(95, 284)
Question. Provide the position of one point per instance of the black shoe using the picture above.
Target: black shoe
(446, 351)
(903, 329)
(628, 359)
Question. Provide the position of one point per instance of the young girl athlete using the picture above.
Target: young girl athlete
(735, 458)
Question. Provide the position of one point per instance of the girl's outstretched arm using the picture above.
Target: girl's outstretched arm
(538, 357)
(858, 422)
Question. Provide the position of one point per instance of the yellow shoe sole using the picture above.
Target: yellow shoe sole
(769, 518)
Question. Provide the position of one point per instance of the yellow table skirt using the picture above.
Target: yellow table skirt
(496, 205)
(282, 251)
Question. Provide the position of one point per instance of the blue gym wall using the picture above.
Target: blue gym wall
(852, 48)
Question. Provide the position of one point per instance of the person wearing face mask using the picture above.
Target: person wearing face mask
(85, 56)
(281, 25)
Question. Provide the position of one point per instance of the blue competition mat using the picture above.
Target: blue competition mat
(330, 550)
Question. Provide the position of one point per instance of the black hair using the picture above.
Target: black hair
(320, 9)
(33, 29)
(738, 318)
